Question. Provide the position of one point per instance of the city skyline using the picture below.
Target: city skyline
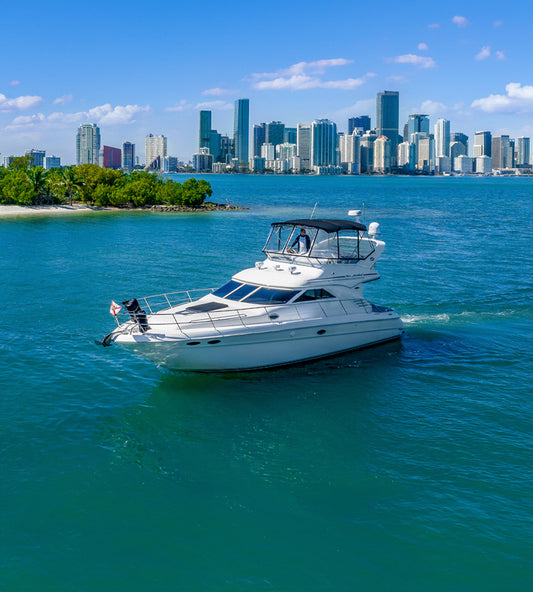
(465, 64)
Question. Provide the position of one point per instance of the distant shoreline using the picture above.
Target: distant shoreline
(15, 210)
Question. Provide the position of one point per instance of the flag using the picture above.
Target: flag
(114, 308)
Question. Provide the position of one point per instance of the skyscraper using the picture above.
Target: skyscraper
(388, 115)
(303, 145)
(459, 137)
(88, 144)
(417, 123)
(275, 133)
(501, 157)
(382, 154)
(522, 151)
(128, 156)
(205, 129)
(323, 143)
(241, 130)
(363, 122)
(482, 144)
(442, 137)
(259, 135)
(155, 151)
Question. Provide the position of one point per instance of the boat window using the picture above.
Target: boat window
(317, 294)
(325, 246)
(279, 236)
(298, 244)
(226, 289)
(271, 296)
(366, 247)
(241, 292)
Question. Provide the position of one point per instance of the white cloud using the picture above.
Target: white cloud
(63, 100)
(215, 105)
(518, 99)
(183, 105)
(433, 108)
(18, 104)
(460, 21)
(434, 26)
(484, 53)
(500, 55)
(306, 75)
(216, 92)
(15, 82)
(410, 58)
(422, 46)
(102, 114)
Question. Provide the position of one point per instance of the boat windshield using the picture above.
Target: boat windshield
(343, 245)
(254, 294)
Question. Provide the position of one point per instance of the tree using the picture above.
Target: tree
(37, 179)
(71, 183)
(194, 192)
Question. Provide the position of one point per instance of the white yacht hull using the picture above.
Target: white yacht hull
(262, 348)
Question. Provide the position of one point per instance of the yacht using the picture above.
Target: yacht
(304, 301)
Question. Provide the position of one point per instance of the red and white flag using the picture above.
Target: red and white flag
(114, 308)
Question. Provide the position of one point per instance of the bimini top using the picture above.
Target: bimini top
(326, 224)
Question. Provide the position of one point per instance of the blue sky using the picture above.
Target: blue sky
(137, 68)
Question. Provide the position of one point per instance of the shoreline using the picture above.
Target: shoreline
(7, 211)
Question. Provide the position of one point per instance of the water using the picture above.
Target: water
(406, 466)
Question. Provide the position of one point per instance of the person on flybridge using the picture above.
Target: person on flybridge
(303, 242)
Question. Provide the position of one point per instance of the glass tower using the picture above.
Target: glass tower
(387, 116)
(205, 129)
(128, 156)
(241, 131)
(323, 143)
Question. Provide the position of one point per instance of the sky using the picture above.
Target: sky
(136, 68)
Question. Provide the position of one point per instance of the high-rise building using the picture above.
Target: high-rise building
(128, 156)
(241, 130)
(227, 149)
(442, 137)
(388, 114)
(350, 153)
(426, 154)
(457, 149)
(459, 137)
(367, 151)
(290, 135)
(323, 143)
(52, 162)
(522, 151)
(275, 133)
(110, 158)
(303, 145)
(203, 161)
(286, 150)
(362, 122)
(482, 144)
(37, 157)
(417, 123)
(215, 146)
(500, 149)
(406, 156)
(382, 155)
(88, 144)
(268, 151)
(155, 151)
(205, 129)
(259, 138)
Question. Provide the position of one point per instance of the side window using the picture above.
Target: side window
(317, 294)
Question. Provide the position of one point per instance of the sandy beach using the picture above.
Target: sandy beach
(8, 211)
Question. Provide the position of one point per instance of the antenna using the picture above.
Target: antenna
(364, 219)
(313, 212)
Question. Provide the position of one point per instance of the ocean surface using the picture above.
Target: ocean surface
(403, 467)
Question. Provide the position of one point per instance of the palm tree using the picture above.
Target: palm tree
(37, 178)
(71, 183)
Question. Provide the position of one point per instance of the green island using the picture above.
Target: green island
(24, 185)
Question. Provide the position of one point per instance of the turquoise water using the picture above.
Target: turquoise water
(406, 466)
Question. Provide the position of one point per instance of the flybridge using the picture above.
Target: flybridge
(324, 240)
